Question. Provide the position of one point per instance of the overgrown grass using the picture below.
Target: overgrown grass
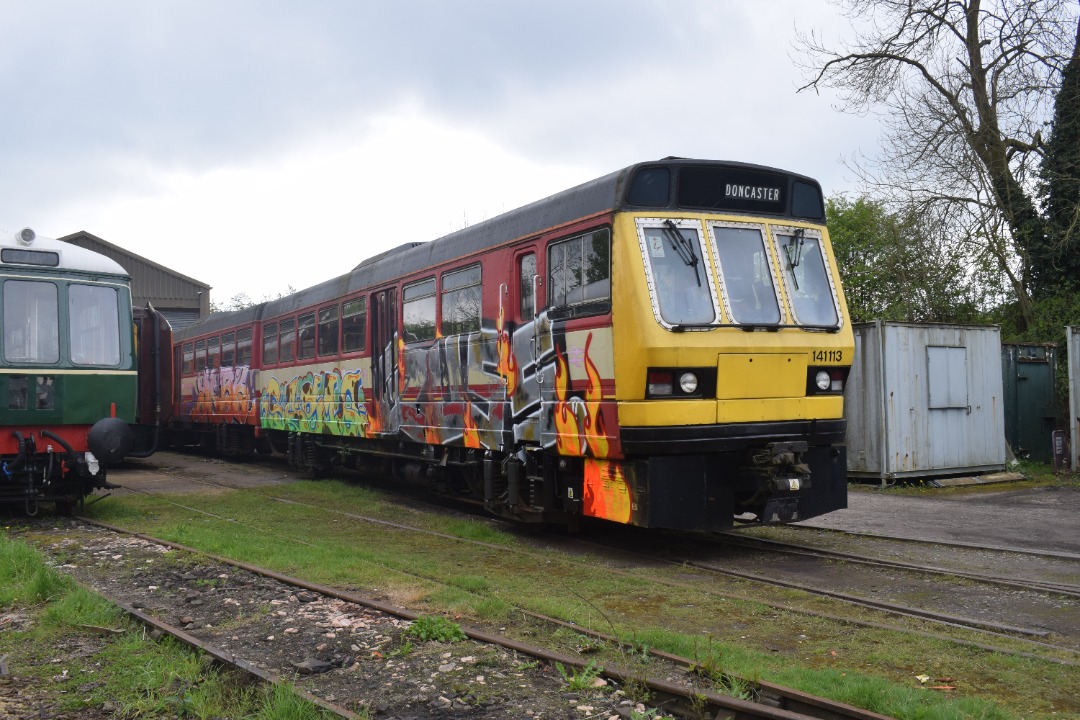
(871, 668)
(129, 673)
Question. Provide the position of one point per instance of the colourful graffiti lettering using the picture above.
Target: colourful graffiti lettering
(317, 402)
(224, 395)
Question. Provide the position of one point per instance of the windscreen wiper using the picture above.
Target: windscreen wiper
(683, 247)
(794, 249)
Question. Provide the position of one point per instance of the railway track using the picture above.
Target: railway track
(682, 699)
(993, 634)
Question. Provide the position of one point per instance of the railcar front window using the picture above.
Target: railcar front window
(806, 278)
(746, 276)
(94, 318)
(680, 281)
(31, 322)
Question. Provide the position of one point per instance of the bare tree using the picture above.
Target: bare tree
(964, 89)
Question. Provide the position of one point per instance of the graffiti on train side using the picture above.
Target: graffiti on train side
(222, 395)
(329, 401)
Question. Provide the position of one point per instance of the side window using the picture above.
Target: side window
(213, 353)
(189, 359)
(527, 286)
(579, 269)
(270, 343)
(328, 330)
(228, 350)
(200, 355)
(305, 330)
(418, 310)
(354, 325)
(461, 301)
(288, 341)
(37, 342)
(243, 347)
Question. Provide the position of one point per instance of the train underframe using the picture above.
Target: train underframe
(47, 469)
(761, 474)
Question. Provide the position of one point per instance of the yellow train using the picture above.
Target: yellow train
(665, 346)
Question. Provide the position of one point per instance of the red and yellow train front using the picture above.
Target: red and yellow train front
(729, 349)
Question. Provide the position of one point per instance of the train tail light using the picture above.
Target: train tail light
(661, 383)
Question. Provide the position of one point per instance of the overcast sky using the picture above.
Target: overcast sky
(260, 144)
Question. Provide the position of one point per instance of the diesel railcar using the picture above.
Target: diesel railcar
(67, 370)
(665, 346)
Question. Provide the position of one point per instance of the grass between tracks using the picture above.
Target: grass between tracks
(739, 632)
(59, 640)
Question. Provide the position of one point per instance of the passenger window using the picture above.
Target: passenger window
(200, 355)
(354, 325)
(270, 343)
(288, 340)
(527, 286)
(189, 359)
(243, 347)
(228, 350)
(579, 270)
(418, 310)
(328, 330)
(213, 352)
(461, 301)
(305, 331)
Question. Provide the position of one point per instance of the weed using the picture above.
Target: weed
(578, 680)
(404, 650)
(435, 627)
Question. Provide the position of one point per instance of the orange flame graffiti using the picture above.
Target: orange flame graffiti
(595, 435)
(567, 431)
(606, 491)
(471, 434)
(508, 366)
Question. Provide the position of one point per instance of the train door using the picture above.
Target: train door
(384, 360)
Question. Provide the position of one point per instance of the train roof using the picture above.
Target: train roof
(26, 249)
(604, 194)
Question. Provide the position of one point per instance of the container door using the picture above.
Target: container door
(1035, 403)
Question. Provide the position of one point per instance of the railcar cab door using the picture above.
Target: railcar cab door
(384, 361)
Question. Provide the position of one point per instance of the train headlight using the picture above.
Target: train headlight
(822, 380)
(26, 236)
(688, 383)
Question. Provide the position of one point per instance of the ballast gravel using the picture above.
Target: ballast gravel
(351, 655)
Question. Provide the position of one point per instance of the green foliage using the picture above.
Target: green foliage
(578, 680)
(435, 627)
(24, 577)
(1056, 262)
(895, 267)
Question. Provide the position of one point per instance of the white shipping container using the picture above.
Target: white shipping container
(924, 400)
